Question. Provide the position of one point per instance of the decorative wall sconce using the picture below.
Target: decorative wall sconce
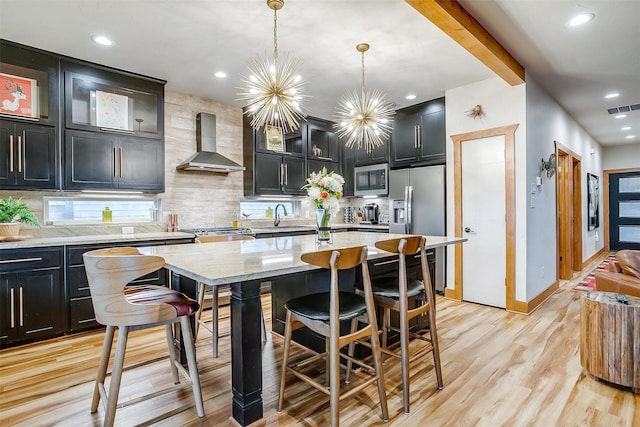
(476, 112)
(549, 165)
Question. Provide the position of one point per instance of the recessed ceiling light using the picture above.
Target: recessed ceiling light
(220, 74)
(621, 116)
(102, 40)
(626, 128)
(630, 137)
(583, 18)
(410, 97)
(612, 95)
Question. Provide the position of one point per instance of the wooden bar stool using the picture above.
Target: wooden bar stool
(214, 294)
(322, 313)
(117, 305)
(394, 293)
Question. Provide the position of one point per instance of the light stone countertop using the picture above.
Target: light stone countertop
(239, 261)
(286, 228)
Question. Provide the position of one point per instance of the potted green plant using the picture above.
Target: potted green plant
(13, 213)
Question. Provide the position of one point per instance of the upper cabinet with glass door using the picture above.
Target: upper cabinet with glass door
(28, 84)
(105, 100)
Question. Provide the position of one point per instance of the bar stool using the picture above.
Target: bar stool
(394, 293)
(322, 313)
(117, 305)
(214, 294)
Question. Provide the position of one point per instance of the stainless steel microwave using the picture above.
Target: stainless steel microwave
(371, 180)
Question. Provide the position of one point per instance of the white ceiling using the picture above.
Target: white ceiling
(186, 41)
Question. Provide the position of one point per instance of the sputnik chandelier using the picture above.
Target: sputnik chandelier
(274, 90)
(364, 120)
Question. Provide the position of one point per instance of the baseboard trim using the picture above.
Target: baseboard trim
(593, 258)
(523, 307)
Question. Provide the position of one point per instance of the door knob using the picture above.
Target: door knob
(468, 230)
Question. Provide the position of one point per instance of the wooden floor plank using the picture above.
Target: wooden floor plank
(499, 368)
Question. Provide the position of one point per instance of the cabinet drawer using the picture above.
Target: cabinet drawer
(82, 315)
(30, 259)
(74, 253)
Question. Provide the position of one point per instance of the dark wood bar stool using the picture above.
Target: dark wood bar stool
(322, 313)
(215, 295)
(394, 293)
(117, 305)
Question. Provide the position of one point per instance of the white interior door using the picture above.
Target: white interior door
(484, 221)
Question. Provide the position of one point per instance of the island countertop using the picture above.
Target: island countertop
(247, 260)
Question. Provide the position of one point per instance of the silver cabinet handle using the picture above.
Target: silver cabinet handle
(415, 137)
(280, 180)
(115, 155)
(10, 153)
(10, 261)
(21, 308)
(19, 153)
(12, 309)
(393, 261)
(286, 174)
(120, 162)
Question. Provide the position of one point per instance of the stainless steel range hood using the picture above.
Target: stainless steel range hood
(206, 158)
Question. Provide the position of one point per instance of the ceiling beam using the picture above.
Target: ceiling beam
(457, 23)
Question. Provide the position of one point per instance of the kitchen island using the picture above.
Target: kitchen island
(244, 265)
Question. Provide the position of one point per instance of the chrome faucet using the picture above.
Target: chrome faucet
(276, 220)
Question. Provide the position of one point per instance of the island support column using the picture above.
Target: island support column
(246, 352)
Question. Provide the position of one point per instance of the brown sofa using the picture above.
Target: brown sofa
(624, 274)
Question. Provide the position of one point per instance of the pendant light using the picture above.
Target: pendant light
(365, 121)
(274, 89)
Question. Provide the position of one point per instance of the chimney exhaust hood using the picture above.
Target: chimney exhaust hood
(206, 159)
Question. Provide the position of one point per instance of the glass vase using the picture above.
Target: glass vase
(323, 226)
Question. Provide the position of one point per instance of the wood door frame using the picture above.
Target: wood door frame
(574, 191)
(605, 201)
(509, 134)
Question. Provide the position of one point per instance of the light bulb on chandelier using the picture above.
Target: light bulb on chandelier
(364, 120)
(274, 90)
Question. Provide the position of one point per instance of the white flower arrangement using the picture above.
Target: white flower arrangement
(324, 189)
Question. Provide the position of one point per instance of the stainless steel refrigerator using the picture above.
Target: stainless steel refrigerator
(417, 206)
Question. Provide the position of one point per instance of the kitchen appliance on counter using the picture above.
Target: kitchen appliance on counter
(417, 202)
(218, 231)
(370, 213)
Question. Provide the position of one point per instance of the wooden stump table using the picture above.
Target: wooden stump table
(610, 338)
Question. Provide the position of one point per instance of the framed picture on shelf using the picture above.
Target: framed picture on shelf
(112, 110)
(593, 203)
(18, 95)
(275, 138)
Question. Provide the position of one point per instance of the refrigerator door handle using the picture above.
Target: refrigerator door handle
(409, 202)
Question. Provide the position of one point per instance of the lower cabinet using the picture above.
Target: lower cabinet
(81, 316)
(32, 304)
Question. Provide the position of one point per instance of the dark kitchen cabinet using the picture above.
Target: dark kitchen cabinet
(29, 112)
(114, 129)
(322, 143)
(28, 156)
(31, 295)
(275, 175)
(81, 315)
(31, 79)
(96, 160)
(378, 154)
(419, 135)
(348, 163)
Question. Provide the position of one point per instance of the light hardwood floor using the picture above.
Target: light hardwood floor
(499, 368)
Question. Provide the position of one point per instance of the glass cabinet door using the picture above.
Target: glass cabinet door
(98, 103)
(28, 84)
(273, 139)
